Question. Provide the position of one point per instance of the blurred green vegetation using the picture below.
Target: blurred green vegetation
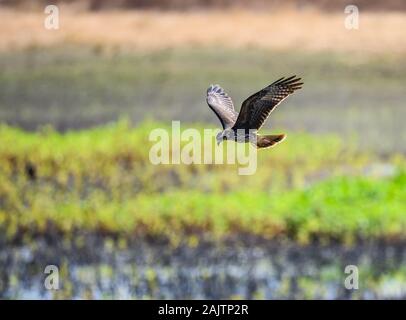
(77, 87)
(101, 180)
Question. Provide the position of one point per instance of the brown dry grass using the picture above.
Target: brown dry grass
(307, 30)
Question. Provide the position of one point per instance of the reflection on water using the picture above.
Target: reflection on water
(255, 269)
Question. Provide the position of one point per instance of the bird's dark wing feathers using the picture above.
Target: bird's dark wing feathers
(256, 108)
(222, 105)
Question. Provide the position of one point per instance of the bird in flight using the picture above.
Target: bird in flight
(243, 126)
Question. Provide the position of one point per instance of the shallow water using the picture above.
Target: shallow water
(101, 268)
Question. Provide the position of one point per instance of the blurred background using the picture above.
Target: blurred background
(77, 189)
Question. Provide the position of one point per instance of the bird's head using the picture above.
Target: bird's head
(219, 138)
(227, 134)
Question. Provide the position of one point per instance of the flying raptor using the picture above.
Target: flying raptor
(243, 126)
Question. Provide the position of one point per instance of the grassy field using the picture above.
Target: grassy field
(147, 64)
(77, 188)
(349, 115)
(72, 87)
(101, 180)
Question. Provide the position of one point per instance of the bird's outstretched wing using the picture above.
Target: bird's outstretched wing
(256, 108)
(222, 105)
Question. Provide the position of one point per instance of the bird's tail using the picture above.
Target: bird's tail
(269, 140)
